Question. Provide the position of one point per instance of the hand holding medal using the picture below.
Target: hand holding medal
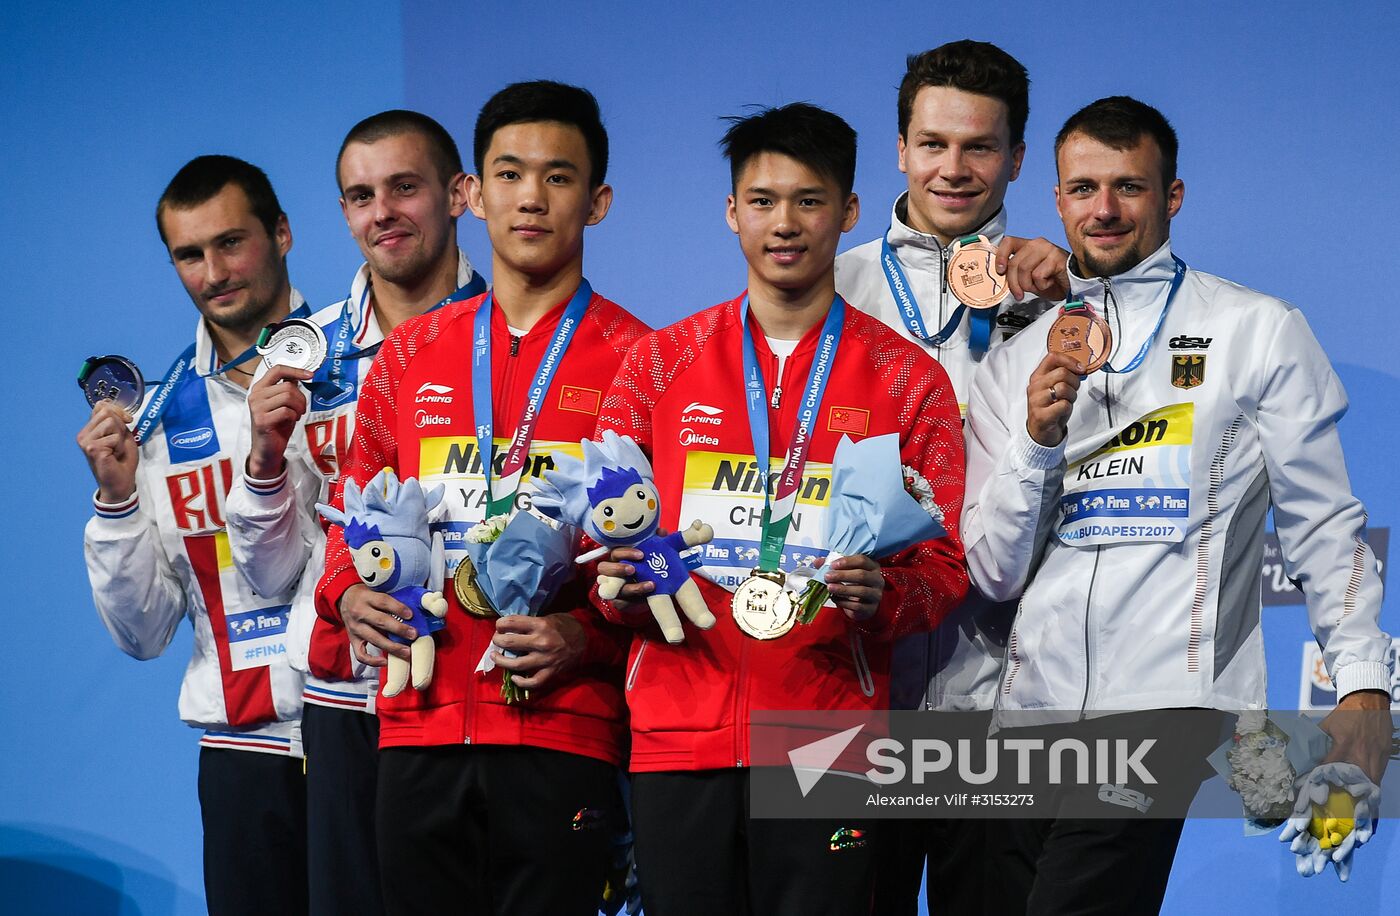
(973, 276)
(114, 388)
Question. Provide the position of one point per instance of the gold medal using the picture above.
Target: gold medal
(973, 275)
(1081, 333)
(468, 591)
(763, 608)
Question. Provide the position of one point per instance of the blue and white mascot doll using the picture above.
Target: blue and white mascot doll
(386, 529)
(611, 496)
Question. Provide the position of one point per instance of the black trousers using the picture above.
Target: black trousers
(1115, 866)
(698, 852)
(955, 851)
(342, 759)
(1081, 867)
(253, 807)
(494, 830)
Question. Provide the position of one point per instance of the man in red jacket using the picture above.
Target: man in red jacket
(505, 806)
(825, 371)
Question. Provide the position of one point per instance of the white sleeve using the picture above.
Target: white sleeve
(1321, 526)
(271, 526)
(1013, 482)
(137, 593)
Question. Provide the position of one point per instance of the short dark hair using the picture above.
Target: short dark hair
(1120, 122)
(203, 177)
(972, 66)
(813, 136)
(442, 149)
(545, 100)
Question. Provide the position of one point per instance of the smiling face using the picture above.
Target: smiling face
(789, 219)
(1116, 204)
(958, 157)
(399, 208)
(233, 270)
(629, 517)
(374, 562)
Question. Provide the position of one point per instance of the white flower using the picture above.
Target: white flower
(1259, 768)
(922, 491)
(1251, 720)
(489, 531)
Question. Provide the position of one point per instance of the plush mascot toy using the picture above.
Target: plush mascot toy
(611, 496)
(386, 529)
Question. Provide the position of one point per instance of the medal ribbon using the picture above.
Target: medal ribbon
(1177, 277)
(177, 372)
(501, 493)
(979, 326)
(778, 505)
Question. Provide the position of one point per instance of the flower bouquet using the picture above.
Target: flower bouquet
(520, 562)
(879, 507)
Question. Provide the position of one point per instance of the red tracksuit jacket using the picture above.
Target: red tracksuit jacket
(415, 416)
(680, 394)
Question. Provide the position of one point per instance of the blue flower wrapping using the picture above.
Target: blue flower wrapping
(525, 567)
(870, 512)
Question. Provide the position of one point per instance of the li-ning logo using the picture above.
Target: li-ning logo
(433, 394)
(193, 439)
(703, 414)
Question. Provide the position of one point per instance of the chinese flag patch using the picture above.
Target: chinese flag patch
(580, 400)
(851, 420)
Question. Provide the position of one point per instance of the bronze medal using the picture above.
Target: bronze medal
(973, 276)
(763, 608)
(468, 591)
(1081, 333)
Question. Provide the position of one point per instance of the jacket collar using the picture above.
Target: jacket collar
(1136, 288)
(361, 311)
(912, 245)
(206, 357)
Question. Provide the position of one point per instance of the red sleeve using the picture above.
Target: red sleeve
(372, 449)
(924, 583)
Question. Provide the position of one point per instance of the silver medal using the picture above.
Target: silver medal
(295, 342)
(763, 609)
(112, 378)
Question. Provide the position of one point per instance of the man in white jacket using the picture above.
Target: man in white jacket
(962, 118)
(402, 189)
(157, 549)
(1126, 509)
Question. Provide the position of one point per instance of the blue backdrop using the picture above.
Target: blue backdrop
(1284, 111)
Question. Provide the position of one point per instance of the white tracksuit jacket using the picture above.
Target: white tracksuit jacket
(1135, 546)
(955, 666)
(275, 534)
(164, 555)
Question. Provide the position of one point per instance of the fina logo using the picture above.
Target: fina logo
(193, 439)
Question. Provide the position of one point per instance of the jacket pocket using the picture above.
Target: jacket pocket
(864, 678)
(636, 663)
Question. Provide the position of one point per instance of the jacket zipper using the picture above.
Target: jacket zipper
(942, 294)
(1088, 658)
(507, 389)
(1108, 376)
